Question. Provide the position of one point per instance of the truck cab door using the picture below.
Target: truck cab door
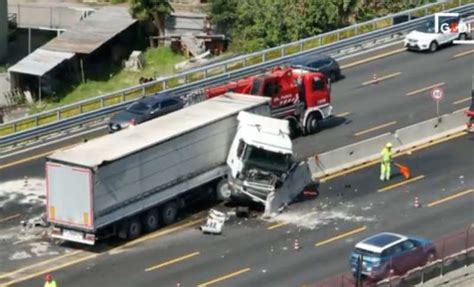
(317, 90)
(235, 153)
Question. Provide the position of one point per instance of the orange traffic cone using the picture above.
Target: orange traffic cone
(416, 203)
(296, 245)
(404, 170)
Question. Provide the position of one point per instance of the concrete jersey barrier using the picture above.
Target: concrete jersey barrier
(369, 150)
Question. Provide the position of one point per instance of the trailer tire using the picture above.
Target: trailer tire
(151, 220)
(169, 213)
(312, 123)
(134, 228)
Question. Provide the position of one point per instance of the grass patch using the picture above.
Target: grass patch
(3, 68)
(159, 62)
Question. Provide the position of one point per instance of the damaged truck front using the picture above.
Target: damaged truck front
(262, 164)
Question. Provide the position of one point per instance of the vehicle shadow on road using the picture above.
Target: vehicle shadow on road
(334, 121)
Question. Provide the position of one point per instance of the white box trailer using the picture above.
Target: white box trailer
(138, 178)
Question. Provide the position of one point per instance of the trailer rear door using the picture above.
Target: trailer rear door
(69, 196)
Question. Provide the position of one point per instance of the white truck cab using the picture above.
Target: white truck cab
(261, 161)
(261, 152)
(442, 29)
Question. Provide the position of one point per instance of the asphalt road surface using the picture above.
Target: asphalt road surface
(256, 253)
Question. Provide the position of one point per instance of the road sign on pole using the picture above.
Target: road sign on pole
(437, 94)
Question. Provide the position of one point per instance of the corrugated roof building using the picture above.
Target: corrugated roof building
(67, 54)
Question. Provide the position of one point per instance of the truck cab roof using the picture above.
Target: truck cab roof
(269, 134)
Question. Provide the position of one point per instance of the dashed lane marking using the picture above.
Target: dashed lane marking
(401, 183)
(341, 236)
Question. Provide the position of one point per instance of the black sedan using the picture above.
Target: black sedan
(143, 110)
(321, 63)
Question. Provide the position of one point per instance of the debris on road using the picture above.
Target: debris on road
(215, 222)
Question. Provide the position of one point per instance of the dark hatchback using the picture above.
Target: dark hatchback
(324, 64)
(143, 110)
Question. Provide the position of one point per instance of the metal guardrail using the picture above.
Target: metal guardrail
(36, 125)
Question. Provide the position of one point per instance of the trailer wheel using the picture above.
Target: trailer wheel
(169, 212)
(151, 221)
(134, 228)
(312, 123)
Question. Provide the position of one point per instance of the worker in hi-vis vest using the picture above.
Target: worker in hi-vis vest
(49, 281)
(385, 170)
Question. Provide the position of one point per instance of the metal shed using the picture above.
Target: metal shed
(83, 38)
(38, 64)
(88, 35)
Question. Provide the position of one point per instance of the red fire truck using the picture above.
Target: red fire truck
(298, 95)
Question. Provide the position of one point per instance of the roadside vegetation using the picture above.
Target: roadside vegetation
(255, 25)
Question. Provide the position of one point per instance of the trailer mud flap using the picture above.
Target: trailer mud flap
(298, 179)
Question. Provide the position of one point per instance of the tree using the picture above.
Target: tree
(259, 24)
(154, 10)
(223, 14)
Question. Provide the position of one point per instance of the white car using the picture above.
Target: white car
(436, 32)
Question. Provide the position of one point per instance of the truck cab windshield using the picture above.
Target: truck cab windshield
(255, 157)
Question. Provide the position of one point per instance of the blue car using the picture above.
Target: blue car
(384, 252)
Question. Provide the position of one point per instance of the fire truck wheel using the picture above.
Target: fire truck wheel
(312, 123)
(294, 128)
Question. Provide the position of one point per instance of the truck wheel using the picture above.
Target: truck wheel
(169, 212)
(294, 128)
(433, 47)
(134, 228)
(312, 123)
(223, 192)
(151, 221)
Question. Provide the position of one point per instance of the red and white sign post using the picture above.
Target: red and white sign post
(437, 94)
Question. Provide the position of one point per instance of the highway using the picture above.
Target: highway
(256, 253)
(365, 110)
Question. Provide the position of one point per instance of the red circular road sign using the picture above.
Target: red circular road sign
(437, 94)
